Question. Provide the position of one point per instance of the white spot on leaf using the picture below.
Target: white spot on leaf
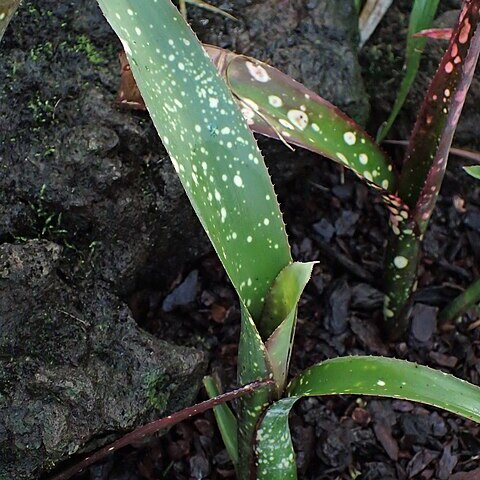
(257, 72)
(298, 118)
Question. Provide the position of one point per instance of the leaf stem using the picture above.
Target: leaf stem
(462, 303)
(161, 424)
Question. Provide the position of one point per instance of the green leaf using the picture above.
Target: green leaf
(473, 170)
(274, 448)
(254, 363)
(277, 106)
(402, 260)
(7, 9)
(421, 17)
(212, 150)
(280, 315)
(226, 421)
(389, 377)
(466, 300)
(378, 376)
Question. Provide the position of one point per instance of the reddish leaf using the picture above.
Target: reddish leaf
(435, 33)
(129, 95)
(427, 153)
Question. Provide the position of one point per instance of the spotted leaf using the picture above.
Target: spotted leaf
(268, 117)
(426, 161)
(254, 363)
(212, 150)
(277, 106)
(377, 376)
(427, 153)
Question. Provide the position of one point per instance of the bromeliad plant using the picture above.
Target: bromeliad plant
(277, 106)
(223, 173)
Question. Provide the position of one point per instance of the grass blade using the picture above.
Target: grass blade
(226, 421)
(466, 300)
(212, 150)
(421, 17)
(211, 8)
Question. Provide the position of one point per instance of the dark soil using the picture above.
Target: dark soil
(334, 218)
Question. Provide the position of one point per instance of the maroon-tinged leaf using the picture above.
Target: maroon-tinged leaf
(161, 424)
(435, 33)
(277, 106)
(427, 153)
(282, 108)
(459, 152)
(128, 95)
(425, 164)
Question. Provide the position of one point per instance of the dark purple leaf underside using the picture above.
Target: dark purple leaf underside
(427, 153)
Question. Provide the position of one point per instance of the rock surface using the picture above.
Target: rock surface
(315, 42)
(74, 365)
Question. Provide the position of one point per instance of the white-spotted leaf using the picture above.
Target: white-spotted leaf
(211, 148)
(377, 376)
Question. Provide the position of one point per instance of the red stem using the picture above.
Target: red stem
(161, 424)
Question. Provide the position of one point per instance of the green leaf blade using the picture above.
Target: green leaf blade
(226, 421)
(377, 376)
(254, 362)
(209, 144)
(279, 317)
(274, 448)
(389, 377)
(421, 17)
(473, 171)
